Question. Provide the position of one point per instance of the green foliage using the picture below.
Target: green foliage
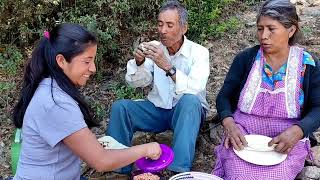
(230, 25)
(126, 92)
(203, 18)
(115, 23)
(6, 86)
(307, 31)
(99, 111)
(6, 94)
(10, 60)
(252, 2)
(21, 21)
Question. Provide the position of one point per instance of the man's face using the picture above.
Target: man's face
(169, 27)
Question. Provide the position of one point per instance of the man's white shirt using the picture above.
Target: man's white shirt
(192, 72)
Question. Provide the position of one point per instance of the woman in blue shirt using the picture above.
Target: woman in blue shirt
(55, 119)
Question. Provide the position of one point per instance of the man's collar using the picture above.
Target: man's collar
(185, 48)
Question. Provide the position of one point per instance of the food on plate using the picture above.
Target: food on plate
(146, 176)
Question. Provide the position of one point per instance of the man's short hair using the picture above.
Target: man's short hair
(182, 11)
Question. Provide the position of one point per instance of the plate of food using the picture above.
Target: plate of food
(141, 175)
(149, 165)
(258, 152)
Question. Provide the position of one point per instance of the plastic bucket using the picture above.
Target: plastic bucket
(15, 150)
(195, 176)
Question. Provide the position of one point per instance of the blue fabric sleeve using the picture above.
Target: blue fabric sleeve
(63, 119)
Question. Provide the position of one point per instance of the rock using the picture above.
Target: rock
(164, 137)
(204, 145)
(2, 153)
(211, 114)
(300, 2)
(306, 2)
(142, 138)
(250, 19)
(100, 130)
(313, 2)
(251, 24)
(311, 11)
(317, 135)
(316, 155)
(216, 133)
(309, 172)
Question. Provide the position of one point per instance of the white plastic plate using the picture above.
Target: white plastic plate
(195, 176)
(265, 158)
(109, 142)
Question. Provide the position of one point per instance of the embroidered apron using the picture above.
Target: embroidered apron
(268, 111)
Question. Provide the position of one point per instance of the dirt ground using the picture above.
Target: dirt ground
(222, 52)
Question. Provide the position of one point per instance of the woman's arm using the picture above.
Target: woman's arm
(311, 121)
(84, 144)
(229, 95)
(287, 139)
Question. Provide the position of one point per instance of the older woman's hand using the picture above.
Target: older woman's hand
(233, 134)
(287, 139)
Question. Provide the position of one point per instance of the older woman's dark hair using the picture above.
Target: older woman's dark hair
(284, 12)
(69, 40)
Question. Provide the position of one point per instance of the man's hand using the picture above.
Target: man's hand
(138, 54)
(287, 139)
(156, 54)
(233, 134)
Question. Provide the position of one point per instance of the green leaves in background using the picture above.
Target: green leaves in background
(10, 60)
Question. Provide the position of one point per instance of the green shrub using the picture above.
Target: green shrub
(21, 21)
(252, 2)
(126, 92)
(6, 86)
(99, 109)
(230, 25)
(203, 18)
(10, 60)
(117, 24)
(7, 90)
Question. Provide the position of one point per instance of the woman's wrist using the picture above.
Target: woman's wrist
(227, 121)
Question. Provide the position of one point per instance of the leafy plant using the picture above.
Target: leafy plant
(100, 111)
(230, 25)
(252, 2)
(307, 31)
(126, 92)
(203, 17)
(6, 86)
(10, 60)
(6, 91)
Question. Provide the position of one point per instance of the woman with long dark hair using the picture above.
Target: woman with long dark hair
(53, 115)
